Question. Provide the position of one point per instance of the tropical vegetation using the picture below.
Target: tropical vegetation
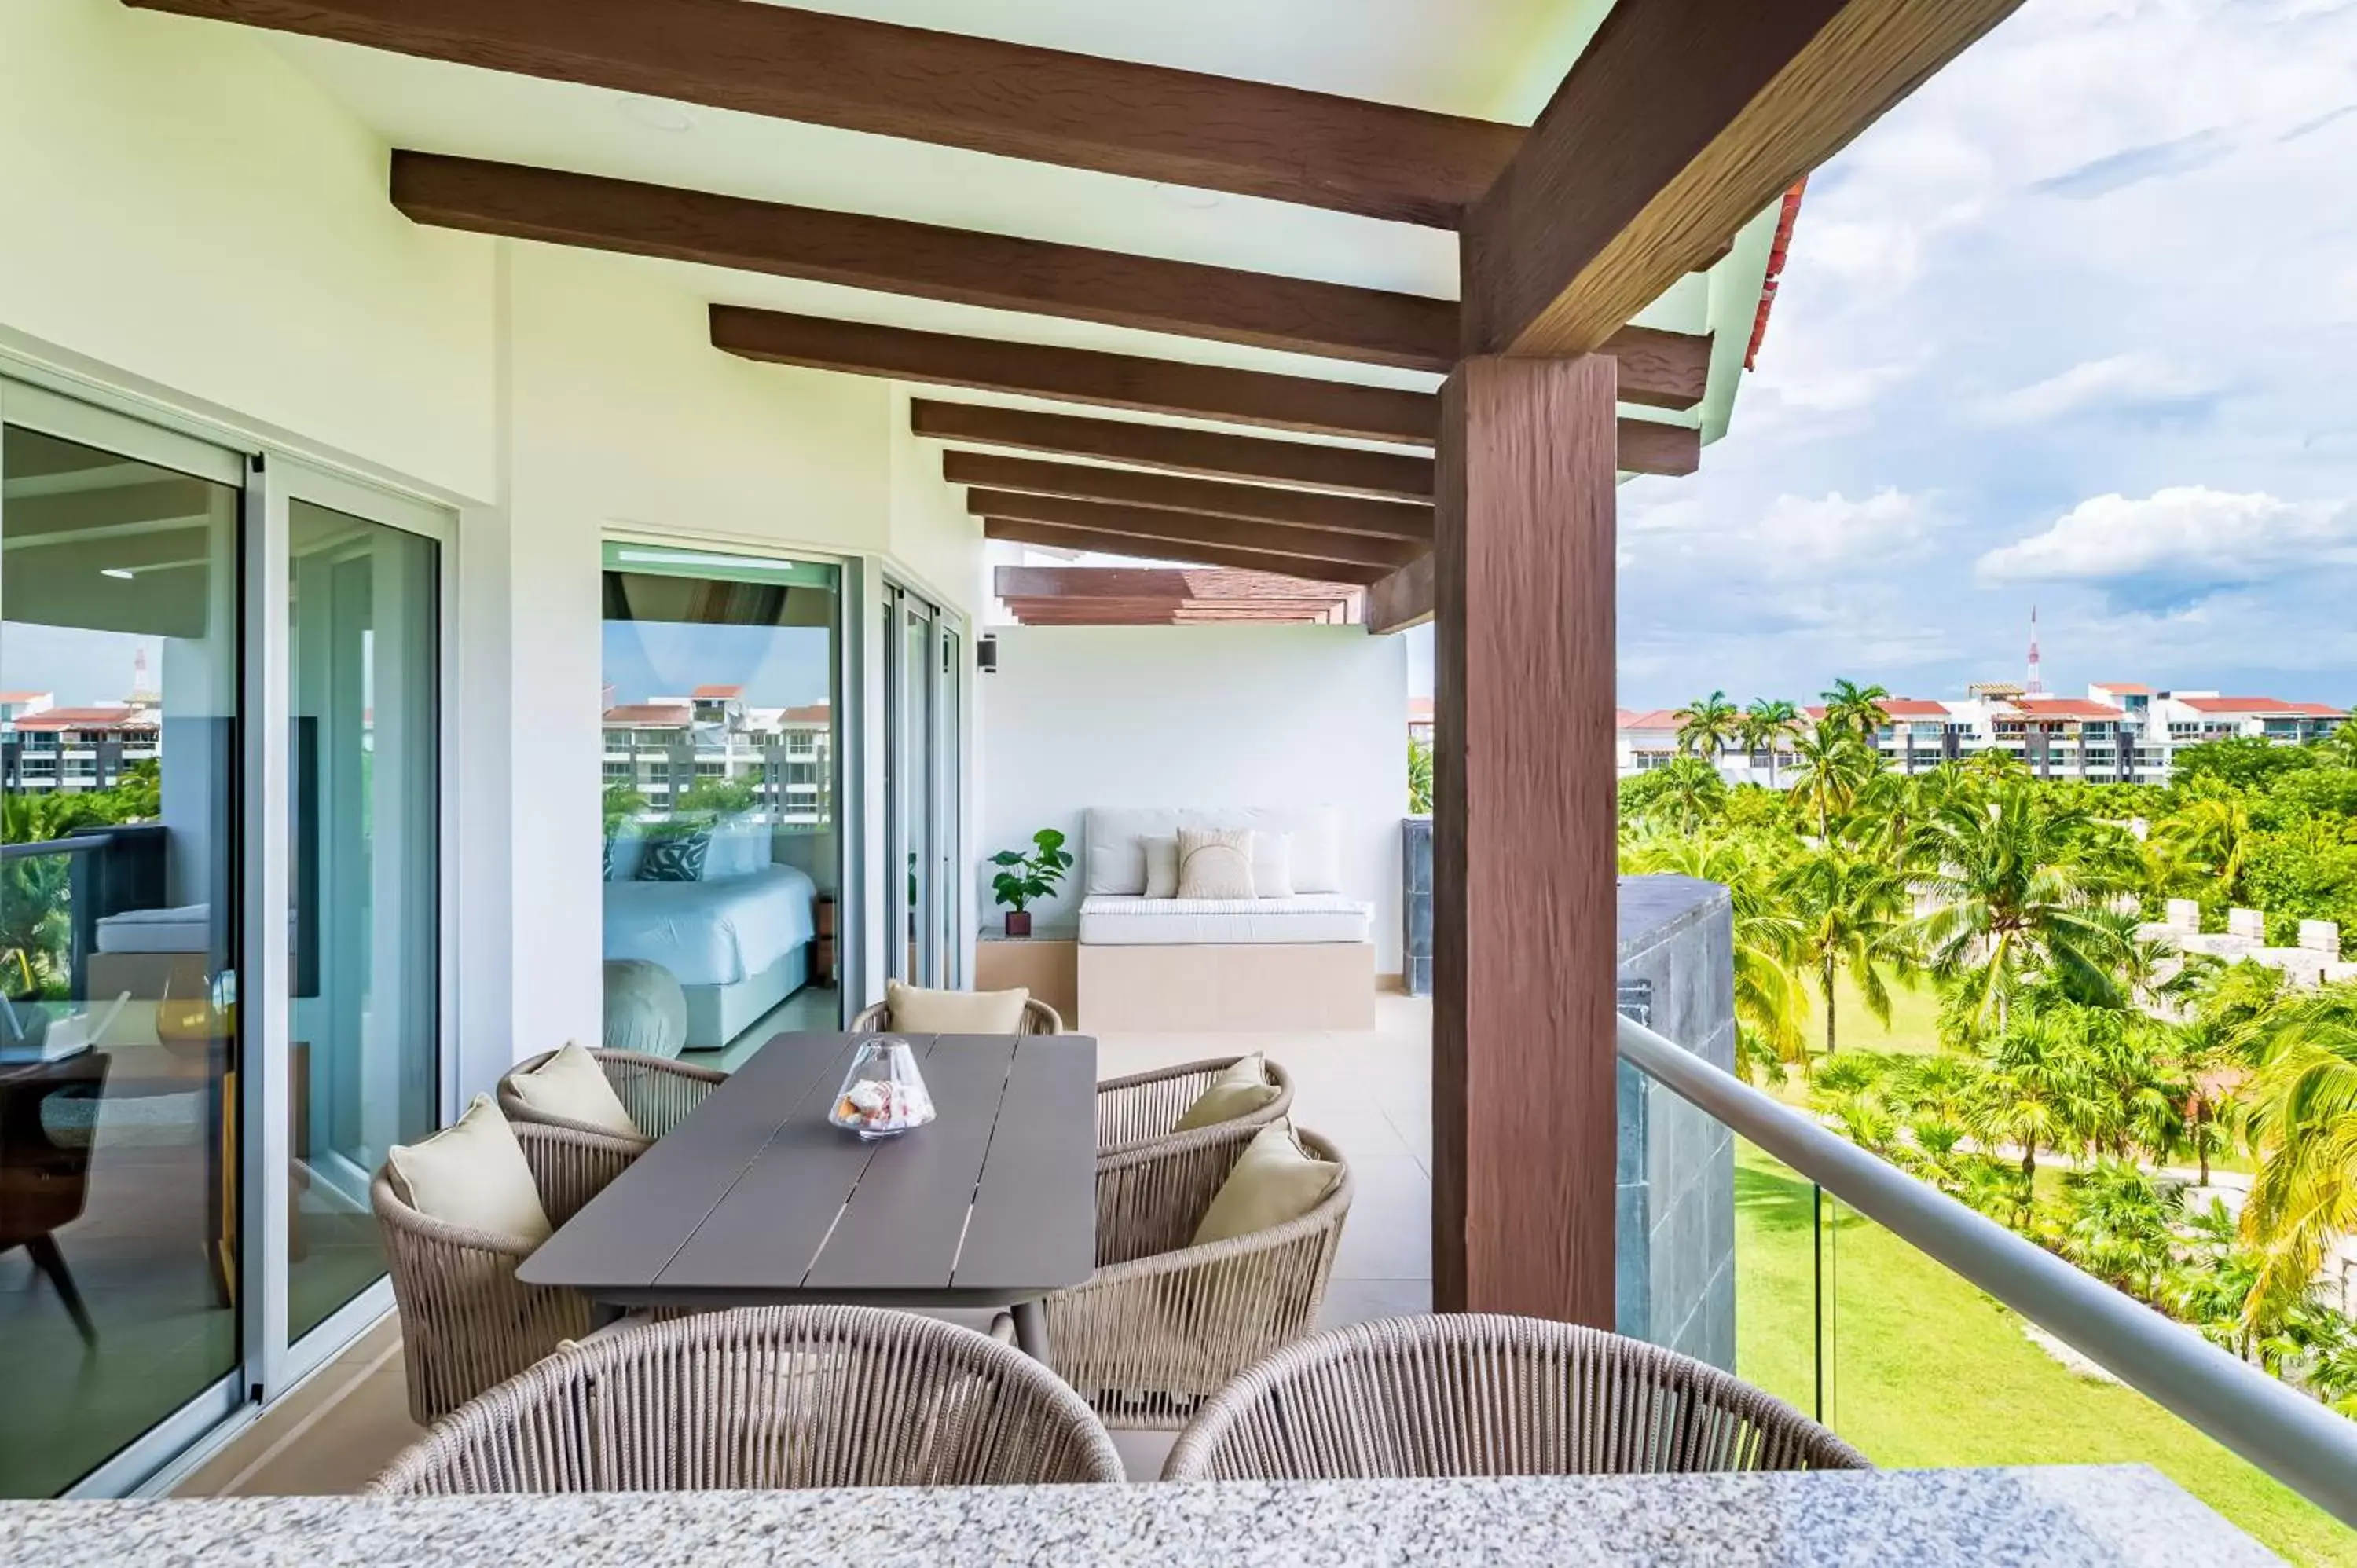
(2084, 1082)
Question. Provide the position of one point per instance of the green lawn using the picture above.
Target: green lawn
(1926, 1370)
(1914, 1019)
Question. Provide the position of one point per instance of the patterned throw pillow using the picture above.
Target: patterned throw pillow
(610, 858)
(675, 860)
(1215, 864)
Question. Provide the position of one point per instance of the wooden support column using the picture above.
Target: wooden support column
(1523, 842)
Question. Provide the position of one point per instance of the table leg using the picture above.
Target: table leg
(1031, 1331)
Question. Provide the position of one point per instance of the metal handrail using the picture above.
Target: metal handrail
(83, 844)
(2298, 1442)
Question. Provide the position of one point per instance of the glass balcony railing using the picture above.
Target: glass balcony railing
(1927, 1335)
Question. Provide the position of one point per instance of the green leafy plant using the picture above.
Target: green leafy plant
(1023, 879)
(1419, 778)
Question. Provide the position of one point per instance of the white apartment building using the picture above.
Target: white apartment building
(46, 748)
(2117, 733)
(664, 746)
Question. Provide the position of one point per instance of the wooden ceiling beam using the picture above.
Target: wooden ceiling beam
(1059, 537)
(1018, 101)
(1080, 375)
(1195, 528)
(1647, 446)
(1347, 470)
(1404, 599)
(1001, 272)
(1681, 122)
(1157, 583)
(1307, 509)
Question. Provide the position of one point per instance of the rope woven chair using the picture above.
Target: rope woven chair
(1479, 1395)
(657, 1091)
(1162, 1323)
(466, 1322)
(1039, 1018)
(767, 1398)
(1145, 1107)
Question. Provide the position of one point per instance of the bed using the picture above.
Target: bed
(738, 946)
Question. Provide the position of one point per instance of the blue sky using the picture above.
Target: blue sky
(2076, 325)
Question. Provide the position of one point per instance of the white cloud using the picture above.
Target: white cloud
(2140, 380)
(2186, 531)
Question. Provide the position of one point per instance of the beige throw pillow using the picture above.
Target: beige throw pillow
(471, 1174)
(1215, 863)
(1162, 867)
(1272, 858)
(914, 1010)
(571, 1086)
(1275, 1181)
(1239, 1091)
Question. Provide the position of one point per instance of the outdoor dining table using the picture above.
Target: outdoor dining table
(757, 1199)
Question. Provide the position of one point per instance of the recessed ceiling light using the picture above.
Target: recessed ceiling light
(1186, 196)
(122, 572)
(656, 114)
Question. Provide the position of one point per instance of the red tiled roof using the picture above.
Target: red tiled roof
(813, 714)
(1913, 708)
(2066, 708)
(1652, 718)
(1419, 710)
(13, 697)
(654, 715)
(2274, 705)
(84, 718)
(717, 693)
(2127, 688)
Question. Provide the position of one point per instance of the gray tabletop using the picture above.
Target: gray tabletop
(756, 1199)
(2110, 1516)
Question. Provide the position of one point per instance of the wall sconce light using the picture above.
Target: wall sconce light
(986, 655)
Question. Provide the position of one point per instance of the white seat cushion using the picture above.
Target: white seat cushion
(188, 929)
(572, 1087)
(913, 1010)
(472, 1175)
(1111, 920)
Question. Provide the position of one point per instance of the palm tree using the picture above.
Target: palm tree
(2303, 1129)
(2209, 836)
(2119, 1226)
(1707, 726)
(1769, 1001)
(1855, 708)
(2018, 883)
(1764, 726)
(2202, 1051)
(1682, 795)
(1853, 916)
(2340, 747)
(2032, 1092)
(1834, 765)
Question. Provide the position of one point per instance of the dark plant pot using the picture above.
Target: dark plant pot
(1018, 923)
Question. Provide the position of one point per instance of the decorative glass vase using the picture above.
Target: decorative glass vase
(883, 1095)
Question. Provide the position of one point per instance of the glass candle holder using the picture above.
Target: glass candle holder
(883, 1095)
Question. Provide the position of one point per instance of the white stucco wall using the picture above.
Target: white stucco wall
(1200, 715)
(192, 226)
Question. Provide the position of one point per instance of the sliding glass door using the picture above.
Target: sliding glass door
(920, 789)
(221, 991)
(363, 848)
(121, 796)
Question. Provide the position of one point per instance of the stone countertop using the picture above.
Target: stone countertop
(2057, 1517)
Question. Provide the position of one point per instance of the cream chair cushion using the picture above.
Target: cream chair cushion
(471, 1174)
(571, 1086)
(1239, 1091)
(1275, 1181)
(1215, 862)
(913, 1010)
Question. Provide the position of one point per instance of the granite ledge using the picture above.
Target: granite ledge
(1653, 906)
(2066, 1517)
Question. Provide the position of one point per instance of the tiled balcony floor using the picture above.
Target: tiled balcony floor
(1371, 1093)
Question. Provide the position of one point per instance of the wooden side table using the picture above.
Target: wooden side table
(1047, 963)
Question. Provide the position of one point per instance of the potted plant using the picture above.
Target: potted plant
(1024, 877)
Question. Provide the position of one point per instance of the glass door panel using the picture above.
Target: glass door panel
(120, 1170)
(916, 776)
(364, 886)
(948, 875)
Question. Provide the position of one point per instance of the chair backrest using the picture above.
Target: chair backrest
(466, 1321)
(1039, 1018)
(1144, 1107)
(1465, 1394)
(1151, 1197)
(767, 1398)
(44, 1182)
(657, 1091)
